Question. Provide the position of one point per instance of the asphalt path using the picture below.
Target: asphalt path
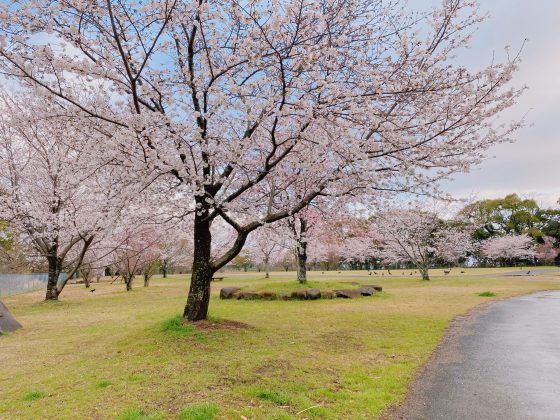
(501, 362)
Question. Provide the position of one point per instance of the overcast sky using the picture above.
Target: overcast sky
(531, 166)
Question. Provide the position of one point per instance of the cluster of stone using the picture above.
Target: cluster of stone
(299, 294)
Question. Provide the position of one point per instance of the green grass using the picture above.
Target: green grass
(113, 354)
(204, 411)
(487, 294)
(273, 397)
(138, 414)
(175, 326)
(103, 384)
(34, 396)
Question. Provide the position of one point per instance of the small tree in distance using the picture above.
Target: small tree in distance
(508, 248)
(267, 245)
(136, 253)
(419, 237)
(546, 251)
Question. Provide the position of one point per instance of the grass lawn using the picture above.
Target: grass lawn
(124, 355)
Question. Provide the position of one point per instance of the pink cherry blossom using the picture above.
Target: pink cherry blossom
(231, 105)
(508, 247)
(546, 251)
(419, 237)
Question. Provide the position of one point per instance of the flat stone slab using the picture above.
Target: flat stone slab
(313, 294)
(227, 292)
(239, 295)
(269, 295)
(367, 290)
(376, 287)
(300, 294)
(348, 293)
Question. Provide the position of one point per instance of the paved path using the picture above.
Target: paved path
(528, 271)
(503, 362)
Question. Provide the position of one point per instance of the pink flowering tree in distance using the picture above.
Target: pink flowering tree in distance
(135, 253)
(175, 250)
(267, 245)
(508, 248)
(419, 237)
(236, 102)
(336, 237)
(313, 233)
(93, 265)
(356, 238)
(546, 251)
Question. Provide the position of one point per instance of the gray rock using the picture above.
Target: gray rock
(348, 293)
(269, 295)
(300, 294)
(7, 322)
(313, 294)
(246, 295)
(367, 290)
(227, 292)
(375, 287)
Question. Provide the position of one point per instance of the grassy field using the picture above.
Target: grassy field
(113, 354)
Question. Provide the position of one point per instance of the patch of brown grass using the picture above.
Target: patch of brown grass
(224, 324)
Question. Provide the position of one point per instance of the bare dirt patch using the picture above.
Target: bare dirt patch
(225, 324)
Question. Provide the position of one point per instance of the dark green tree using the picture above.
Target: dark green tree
(502, 216)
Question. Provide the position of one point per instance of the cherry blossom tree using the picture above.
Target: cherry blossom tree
(137, 253)
(315, 233)
(546, 251)
(91, 266)
(287, 260)
(508, 247)
(419, 237)
(53, 193)
(227, 99)
(267, 246)
(175, 249)
(356, 239)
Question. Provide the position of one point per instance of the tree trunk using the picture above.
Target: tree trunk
(202, 270)
(128, 281)
(424, 272)
(266, 268)
(301, 252)
(302, 265)
(86, 281)
(146, 280)
(52, 282)
(164, 270)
